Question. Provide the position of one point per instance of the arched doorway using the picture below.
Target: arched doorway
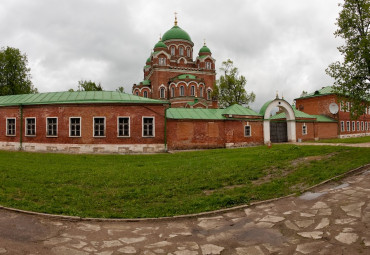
(288, 126)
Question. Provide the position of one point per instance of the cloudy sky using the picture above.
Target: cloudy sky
(283, 45)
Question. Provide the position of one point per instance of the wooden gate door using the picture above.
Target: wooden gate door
(278, 132)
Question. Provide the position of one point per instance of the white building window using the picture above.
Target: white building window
(173, 51)
(342, 126)
(99, 126)
(201, 92)
(366, 128)
(188, 52)
(162, 61)
(181, 51)
(304, 129)
(358, 126)
(208, 65)
(348, 106)
(30, 126)
(353, 126)
(148, 127)
(52, 127)
(162, 93)
(362, 126)
(10, 127)
(145, 94)
(123, 126)
(181, 90)
(75, 126)
(348, 126)
(173, 92)
(208, 95)
(247, 131)
(192, 91)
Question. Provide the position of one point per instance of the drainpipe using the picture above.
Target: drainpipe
(21, 127)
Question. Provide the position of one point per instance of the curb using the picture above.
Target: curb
(356, 171)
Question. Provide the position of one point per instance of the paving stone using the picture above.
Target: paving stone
(307, 248)
(366, 241)
(291, 225)
(323, 223)
(271, 218)
(127, 250)
(319, 205)
(74, 236)
(304, 223)
(158, 244)
(344, 221)
(211, 224)
(263, 224)
(88, 227)
(56, 240)
(159, 251)
(312, 234)
(353, 209)
(347, 238)
(89, 249)
(130, 240)
(271, 249)
(104, 253)
(307, 215)
(79, 245)
(2, 250)
(187, 252)
(219, 237)
(113, 243)
(325, 212)
(211, 249)
(253, 250)
(62, 250)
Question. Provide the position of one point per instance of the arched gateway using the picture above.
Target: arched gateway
(290, 118)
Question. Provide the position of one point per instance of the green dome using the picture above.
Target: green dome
(148, 60)
(176, 33)
(160, 44)
(204, 49)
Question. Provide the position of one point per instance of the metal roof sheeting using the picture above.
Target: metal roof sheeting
(75, 97)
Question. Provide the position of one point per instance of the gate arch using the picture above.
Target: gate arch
(290, 118)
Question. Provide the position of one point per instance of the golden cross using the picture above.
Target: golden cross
(176, 18)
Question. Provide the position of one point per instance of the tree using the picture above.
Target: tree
(352, 76)
(120, 89)
(15, 77)
(230, 88)
(87, 86)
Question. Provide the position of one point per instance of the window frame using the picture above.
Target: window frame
(250, 130)
(70, 127)
(172, 91)
(188, 52)
(104, 129)
(208, 65)
(192, 90)
(182, 91)
(173, 51)
(342, 126)
(47, 127)
(201, 92)
(142, 126)
(26, 127)
(162, 95)
(7, 126)
(208, 94)
(348, 126)
(358, 126)
(162, 61)
(304, 129)
(181, 51)
(353, 126)
(362, 126)
(129, 126)
(145, 94)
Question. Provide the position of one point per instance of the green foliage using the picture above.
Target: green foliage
(230, 88)
(352, 76)
(84, 85)
(165, 184)
(15, 76)
(120, 89)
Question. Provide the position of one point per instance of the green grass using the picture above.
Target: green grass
(128, 186)
(362, 139)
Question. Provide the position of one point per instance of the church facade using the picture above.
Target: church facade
(175, 73)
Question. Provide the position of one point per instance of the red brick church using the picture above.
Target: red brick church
(173, 73)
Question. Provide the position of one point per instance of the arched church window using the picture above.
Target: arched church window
(188, 52)
(137, 93)
(173, 51)
(208, 65)
(192, 91)
(182, 91)
(201, 92)
(145, 93)
(208, 95)
(181, 51)
(162, 61)
(173, 92)
(162, 94)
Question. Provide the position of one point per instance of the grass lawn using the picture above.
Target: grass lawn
(362, 139)
(128, 186)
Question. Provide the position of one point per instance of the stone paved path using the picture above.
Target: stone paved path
(333, 219)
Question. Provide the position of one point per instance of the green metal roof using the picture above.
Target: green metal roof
(75, 97)
(321, 118)
(297, 113)
(236, 109)
(186, 76)
(321, 92)
(264, 107)
(160, 44)
(148, 60)
(208, 114)
(176, 33)
(204, 49)
(145, 82)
